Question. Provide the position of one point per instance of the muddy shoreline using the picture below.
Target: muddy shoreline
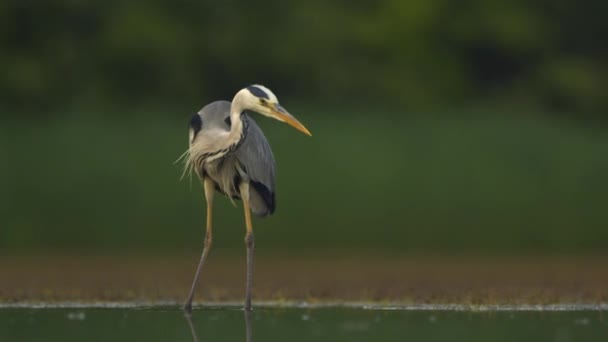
(405, 280)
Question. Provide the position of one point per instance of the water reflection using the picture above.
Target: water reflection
(188, 316)
(247, 314)
(248, 326)
(285, 324)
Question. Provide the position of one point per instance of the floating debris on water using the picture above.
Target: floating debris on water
(76, 316)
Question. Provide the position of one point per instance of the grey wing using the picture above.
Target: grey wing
(255, 156)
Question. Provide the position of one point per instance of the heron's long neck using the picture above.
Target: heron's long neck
(201, 153)
(236, 122)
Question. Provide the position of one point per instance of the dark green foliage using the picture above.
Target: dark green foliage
(424, 53)
(86, 150)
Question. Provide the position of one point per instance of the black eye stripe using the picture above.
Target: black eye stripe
(258, 92)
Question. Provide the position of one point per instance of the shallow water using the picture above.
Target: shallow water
(297, 324)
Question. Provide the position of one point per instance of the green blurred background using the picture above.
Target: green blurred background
(438, 126)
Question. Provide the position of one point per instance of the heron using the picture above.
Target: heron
(230, 154)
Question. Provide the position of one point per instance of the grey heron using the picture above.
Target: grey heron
(230, 154)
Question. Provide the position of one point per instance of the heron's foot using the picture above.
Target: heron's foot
(187, 308)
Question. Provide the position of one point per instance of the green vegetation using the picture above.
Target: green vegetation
(87, 145)
(415, 53)
(468, 181)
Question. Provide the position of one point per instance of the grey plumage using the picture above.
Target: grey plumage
(230, 154)
(252, 161)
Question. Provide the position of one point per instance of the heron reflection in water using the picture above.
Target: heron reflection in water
(247, 314)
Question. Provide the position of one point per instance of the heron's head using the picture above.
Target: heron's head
(261, 100)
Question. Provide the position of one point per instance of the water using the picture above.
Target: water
(298, 324)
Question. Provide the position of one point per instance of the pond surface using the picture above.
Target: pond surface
(297, 324)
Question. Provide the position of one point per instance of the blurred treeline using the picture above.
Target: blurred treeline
(65, 53)
(425, 119)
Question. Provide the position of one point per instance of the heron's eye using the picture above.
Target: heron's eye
(263, 102)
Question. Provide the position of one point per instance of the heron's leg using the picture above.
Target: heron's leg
(209, 188)
(249, 242)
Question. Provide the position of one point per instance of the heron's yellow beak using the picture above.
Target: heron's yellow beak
(282, 114)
